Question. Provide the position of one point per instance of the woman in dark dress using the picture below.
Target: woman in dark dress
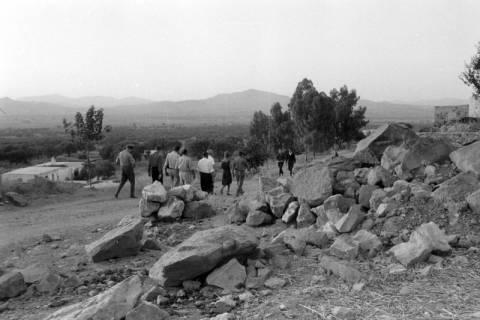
(291, 161)
(227, 173)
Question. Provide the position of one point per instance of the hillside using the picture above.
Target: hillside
(237, 107)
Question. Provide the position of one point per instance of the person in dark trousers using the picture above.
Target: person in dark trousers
(205, 168)
(127, 165)
(240, 167)
(280, 160)
(170, 166)
(155, 165)
(227, 173)
(291, 161)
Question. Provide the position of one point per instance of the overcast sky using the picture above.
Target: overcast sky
(387, 50)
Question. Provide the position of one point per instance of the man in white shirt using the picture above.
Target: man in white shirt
(205, 168)
(212, 160)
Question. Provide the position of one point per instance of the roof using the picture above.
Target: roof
(33, 170)
(61, 164)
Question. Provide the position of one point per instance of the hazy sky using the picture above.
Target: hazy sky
(403, 50)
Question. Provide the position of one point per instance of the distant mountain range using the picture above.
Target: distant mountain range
(238, 107)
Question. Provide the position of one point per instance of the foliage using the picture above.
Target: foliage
(107, 152)
(259, 127)
(471, 75)
(104, 169)
(87, 129)
(348, 119)
(282, 129)
(256, 154)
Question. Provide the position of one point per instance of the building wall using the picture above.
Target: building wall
(444, 114)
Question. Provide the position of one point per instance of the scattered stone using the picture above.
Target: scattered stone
(148, 208)
(467, 158)
(198, 210)
(343, 313)
(370, 149)
(120, 242)
(361, 175)
(344, 248)
(379, 176)
(321, 216)
(350, 220)
(258, 218)
(275, 283)
(437, 238)
(459, 260)
(258, 205)
(112, 304)
(305, 217)
(152, 294)
(155, 192)
(457, 188)
(384, 209)
(231, 276)
(377, 198)
(147, 311)
(357, 287)
(224, 316)
(341, 269)
(333, 215)
(290, 214)
(405, 291)
(368, 242)
(171, 210)
(293, 239)
(396, 268)
(202, 252)
(282, 307)
(186, 193)
(50, 283)
(279, 203)
(473, 201)
(151, 244)
(35, 272)
(16, 199)
(238, 212)
(224, 304)
(339, 202)
(11, 285)
(246, 296)
(313, 184)
(424, 272)
(365, 193)
(191, 285)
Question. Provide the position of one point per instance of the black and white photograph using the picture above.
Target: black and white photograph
(239, 160)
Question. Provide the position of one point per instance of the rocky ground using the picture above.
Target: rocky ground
(379, 248)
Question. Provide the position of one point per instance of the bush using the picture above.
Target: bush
(104, 169)
(256, 154)
(40, 186)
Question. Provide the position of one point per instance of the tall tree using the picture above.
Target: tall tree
(301, 106)
(87, 130)
(282, 134)
(322, 136)
(259, 128)
(349, 118)
(471, 75)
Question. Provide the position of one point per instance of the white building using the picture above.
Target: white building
(53, 171)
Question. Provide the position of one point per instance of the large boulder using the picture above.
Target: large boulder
(171, 210)
(147, 311)
(365, 193)
(305, 217)
(426, 150)
(313, 184)
(112, 304)
(370, 149)
(11, 285)
(473, 201)
(344, 248)
(342, 269)
(457, 188)
(290, 214)
(198, 210)
(257, 218)
(155, 192)
(202, 252)
(279, 203)
(379, 176)
(393, 156)
(351, 220)
(467, 158)
(16, 199)
(231, 276)
(339, 202)
(237, 213)
(148, 208)
(186, 192)
(123, 241)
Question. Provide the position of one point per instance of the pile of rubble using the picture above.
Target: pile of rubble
(180, 202)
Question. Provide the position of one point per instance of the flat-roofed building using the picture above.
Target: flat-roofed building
(53, 171)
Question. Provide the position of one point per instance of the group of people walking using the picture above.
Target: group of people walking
(181, 170)
(289, 157)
